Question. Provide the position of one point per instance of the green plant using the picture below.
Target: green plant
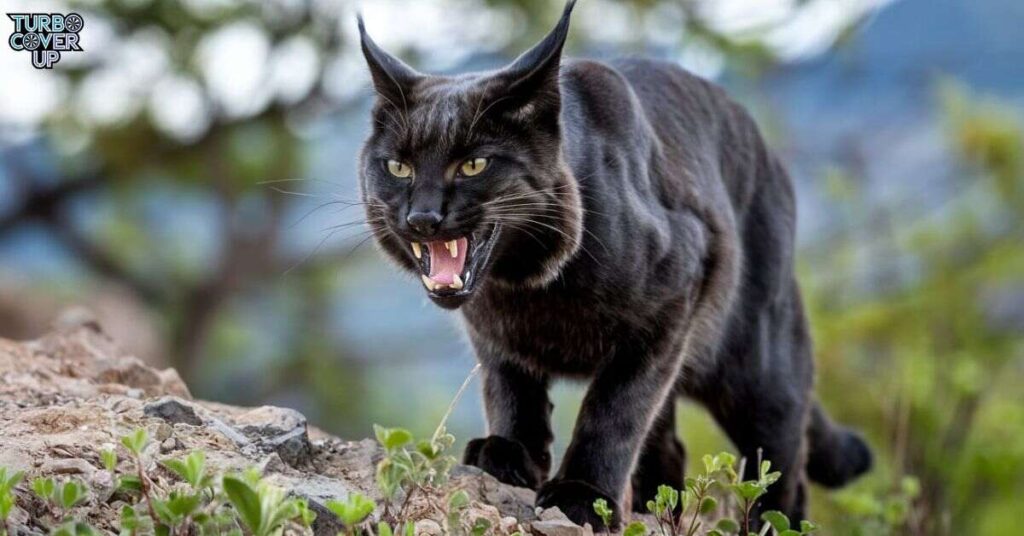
(688, 511)
(455, 521)
(780, 524)
(7, 498)
(352, 511)
(409, 466)
(74, 528)
(877, 514)
(264, 509)
(61, 498)
(750, 490)
(233, 504)
(191, 469)
(603, 511)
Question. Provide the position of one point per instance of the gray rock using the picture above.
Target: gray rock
(227, 431)
(279, 430)
(294, 447)
(326, 523)
(269, 421)
(73, 466)
(559, 527)
(173, 410)
(168, 445)
(551, 514)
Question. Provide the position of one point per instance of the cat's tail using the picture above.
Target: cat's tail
(836, 455)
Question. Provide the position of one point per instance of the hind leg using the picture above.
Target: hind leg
(771, 427)
(662, 460)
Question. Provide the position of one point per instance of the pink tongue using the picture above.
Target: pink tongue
(444, 267)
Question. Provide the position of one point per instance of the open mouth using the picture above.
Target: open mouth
(453, 267)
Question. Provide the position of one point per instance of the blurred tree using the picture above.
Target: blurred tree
(931, 352)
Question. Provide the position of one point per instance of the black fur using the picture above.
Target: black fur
(639, 235)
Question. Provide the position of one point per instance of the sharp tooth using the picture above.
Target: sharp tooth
(416, 250)
(428, 282)
(453, 247)
(456, 282)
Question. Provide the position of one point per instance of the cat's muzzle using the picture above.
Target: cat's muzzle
(451, 269)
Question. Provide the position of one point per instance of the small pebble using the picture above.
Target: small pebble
(163, 431)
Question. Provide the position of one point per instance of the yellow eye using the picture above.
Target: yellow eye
(473, 166)
(399, 169)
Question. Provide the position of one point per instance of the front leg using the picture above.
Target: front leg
(615, 416)
(517, 449)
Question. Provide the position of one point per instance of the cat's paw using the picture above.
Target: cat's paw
(575, 498)
(504, 459)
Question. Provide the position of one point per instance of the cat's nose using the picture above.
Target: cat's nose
(424, 222)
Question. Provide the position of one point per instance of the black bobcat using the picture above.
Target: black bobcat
(620, 222)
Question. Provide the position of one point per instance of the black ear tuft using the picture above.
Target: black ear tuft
(539, 65)
(392, 79)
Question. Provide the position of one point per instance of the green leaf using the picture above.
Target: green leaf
(392, 438)
(776, 519)
(636, 528)
(727, 526)
(666, 500)
(8, 483)
(383, 529)
(136, 441)
(129, 521)
(409, 529)
(748, 490)
(708, 504)
(428, 449)
(245, 500)
(191, 469)
(806, 527)
(44, 488)
(72, 493)
(129, 484)
(480, 527)
(458, 500)
(306, 515)
(184, 504)
(73, 528)
(109, 458)
(603, 511)
(789, 532)
(770, 478)
(354, 509)
(6, 505)
(163, 512)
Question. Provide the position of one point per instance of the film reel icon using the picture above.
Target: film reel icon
(30, 41)
(73, 22)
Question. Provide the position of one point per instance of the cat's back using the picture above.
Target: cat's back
(689, 130)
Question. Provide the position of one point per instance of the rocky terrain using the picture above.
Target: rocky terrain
(70, 394)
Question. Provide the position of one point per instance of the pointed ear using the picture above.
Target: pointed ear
(537, 68)
(392, 79)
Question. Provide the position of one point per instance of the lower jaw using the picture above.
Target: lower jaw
(449, 301)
